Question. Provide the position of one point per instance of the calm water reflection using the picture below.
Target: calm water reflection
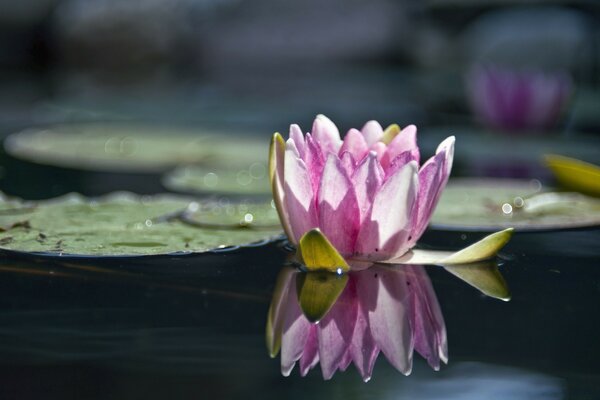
(194, 328)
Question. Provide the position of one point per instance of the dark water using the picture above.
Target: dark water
(193, 327)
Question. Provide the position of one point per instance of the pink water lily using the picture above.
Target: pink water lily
(389, 310)
(367, 193)
(515, 100)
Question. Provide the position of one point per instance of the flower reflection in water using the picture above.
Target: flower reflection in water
(393, 310)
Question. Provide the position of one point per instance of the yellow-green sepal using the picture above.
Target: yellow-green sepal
(390, 133)
(276, 314)
(276, 150)
(484, 249)
(318, 291)
(318, 254)
(484, 276)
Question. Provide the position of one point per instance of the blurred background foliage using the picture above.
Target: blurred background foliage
(254, 67)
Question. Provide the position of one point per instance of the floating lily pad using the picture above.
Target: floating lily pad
(121, 147)
(246, 180)
(124, 224)
(494, 204)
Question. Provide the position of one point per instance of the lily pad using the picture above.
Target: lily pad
(122, 147)
(124, 224)
(248, 180)
(492, 204)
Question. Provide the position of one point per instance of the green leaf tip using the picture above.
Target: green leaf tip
(318, 291)
(390, 133)
(484, 276)
(484, 249)
(318, 254)
(276, 141)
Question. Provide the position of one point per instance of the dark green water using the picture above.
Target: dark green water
(193, 327)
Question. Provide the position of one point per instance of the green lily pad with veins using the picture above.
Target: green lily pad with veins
(123, 224)
(128, 147)
(493, 204)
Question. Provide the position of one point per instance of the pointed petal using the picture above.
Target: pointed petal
(338, 208)
(372, 132)
(299, 197)
(433, 177)
(389, 317)
(298, 138)
(400, 161)
(335, 332)
(406, 140)
(383, 234)
(310, 355)
(326, 135)
(428, 322)
(348, 163)
(364, 351)
(315, 162)
(355, 144)
(277, 310)
(367, 180)
(296, 330)
(276, 174)
(379, 149)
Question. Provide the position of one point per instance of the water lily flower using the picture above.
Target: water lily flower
(389, 310)
(368, 194)
(513, 100)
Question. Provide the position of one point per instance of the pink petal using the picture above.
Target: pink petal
(299, 198)
(335, 331)
(355, 144)
(326, 134)
(406, 140)
(379, 148)
(296, 330)
(389, 317)
(372, 132)
(310, 354)
(338, 209)
(367, 180)
(428, 322)
(348, 163)
(383, 234)
(298, 138)
(315, 162)
(433, 177)
(400, 161)
(363, 349)
(346, 360)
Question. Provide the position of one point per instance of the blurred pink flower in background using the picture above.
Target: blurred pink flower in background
(382, 309)
(367, 193)
(517, 100)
